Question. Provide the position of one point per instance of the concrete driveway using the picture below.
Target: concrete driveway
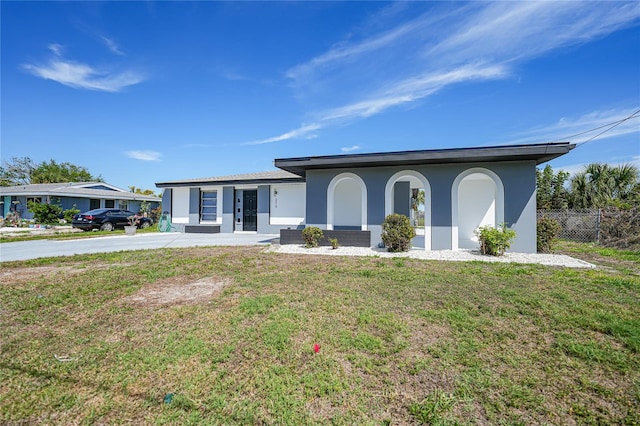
(24, 250)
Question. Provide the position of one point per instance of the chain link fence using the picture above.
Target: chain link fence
(582, 225)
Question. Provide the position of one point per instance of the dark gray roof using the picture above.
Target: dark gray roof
(75, 189)
(539, 153)
(270, 177)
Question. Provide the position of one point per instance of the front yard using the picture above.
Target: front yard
(226, 336)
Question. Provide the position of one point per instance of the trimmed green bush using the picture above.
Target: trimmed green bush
(44, 213)
(311, 236)
(547, 232)
(68, 214)
(397, 232)
(334, 243)
(494, 241)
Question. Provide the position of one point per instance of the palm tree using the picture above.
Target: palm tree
(626, 179)
(600, 185)
(417, 199)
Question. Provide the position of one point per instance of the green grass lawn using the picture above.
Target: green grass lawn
(226, 336)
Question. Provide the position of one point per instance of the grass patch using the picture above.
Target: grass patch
(226, 335)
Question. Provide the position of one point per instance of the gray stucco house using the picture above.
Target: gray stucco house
(464, 188)
(82, 195)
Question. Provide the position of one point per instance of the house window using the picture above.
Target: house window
(37, 200)
(94, 204)
(109, 204)
(123, 205)
(208, 206)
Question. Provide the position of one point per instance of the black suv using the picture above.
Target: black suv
(108, 220)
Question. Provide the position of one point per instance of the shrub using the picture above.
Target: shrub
(155, 214)
(397, 232)
(620, 228)
(69, 213)
(44, 213)
(311, 236)
(546, 233)
(494, 241)
(334, 243)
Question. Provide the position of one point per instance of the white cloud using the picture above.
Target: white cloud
(82, 76)
(56, 48)
(412, 89)
(304, 131)
(403, 92)
(144, 155)
(112, 46)
(350, 148)
(452, 43)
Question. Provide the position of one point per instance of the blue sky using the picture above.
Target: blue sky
(143, 92)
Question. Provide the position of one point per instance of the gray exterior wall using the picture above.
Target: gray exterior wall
(402, 198)
(518, 179)
(264, 209)
(194, 206)
(166, 200)
(227, 209)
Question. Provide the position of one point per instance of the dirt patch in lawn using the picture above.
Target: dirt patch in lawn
(25, 274)
(177, 292)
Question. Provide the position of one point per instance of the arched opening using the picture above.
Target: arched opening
(347, 203)
(408, 192)
(477, 200)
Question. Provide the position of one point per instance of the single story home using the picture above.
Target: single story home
(464, 188)
(83, 196)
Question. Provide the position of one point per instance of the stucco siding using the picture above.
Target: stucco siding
(518, 179)
(166, 201)
(180, 205)
(287, 204)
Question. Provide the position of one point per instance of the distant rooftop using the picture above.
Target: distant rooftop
(269, 177)
(76, 189)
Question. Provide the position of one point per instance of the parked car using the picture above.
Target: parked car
(108, 220)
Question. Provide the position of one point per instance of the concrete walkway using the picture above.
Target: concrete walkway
(24, 250)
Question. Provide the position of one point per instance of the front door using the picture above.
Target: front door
(250, 210)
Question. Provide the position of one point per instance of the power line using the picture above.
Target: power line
(609, 126)
(613, 125)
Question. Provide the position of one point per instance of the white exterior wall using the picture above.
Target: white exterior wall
(289, 205)
(476, 208)
(348, 204)
(180, 205)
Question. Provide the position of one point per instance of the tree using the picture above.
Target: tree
(16, 171)
(141, 191)
(600, 185)
(551, 193)
(417, 199)
(52, 172)
(23, 171)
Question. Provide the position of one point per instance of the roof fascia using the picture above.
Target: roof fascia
(538, 152)
(205, 182)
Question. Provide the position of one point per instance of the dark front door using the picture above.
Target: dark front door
(250, 210)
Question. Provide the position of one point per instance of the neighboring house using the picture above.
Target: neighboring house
(83, 196)
(465, 188)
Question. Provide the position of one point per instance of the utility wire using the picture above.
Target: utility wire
(613, 125)
(566, 138)
(609, 126)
